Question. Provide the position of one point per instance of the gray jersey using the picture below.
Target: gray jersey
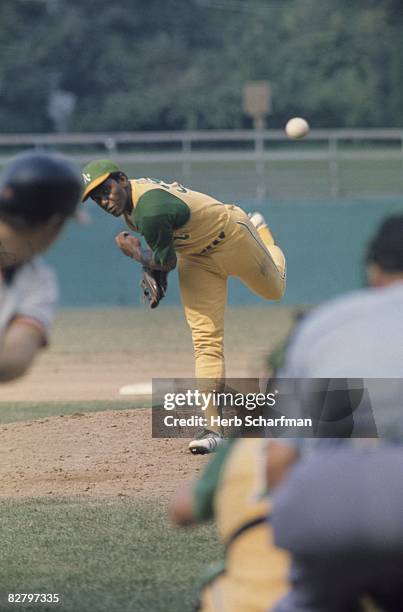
(31, 296)
(357, 336)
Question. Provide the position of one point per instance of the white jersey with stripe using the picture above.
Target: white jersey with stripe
(31, 296)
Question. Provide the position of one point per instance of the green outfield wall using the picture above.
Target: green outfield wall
(324, 242)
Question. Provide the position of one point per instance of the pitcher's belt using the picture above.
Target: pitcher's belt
(213, 244)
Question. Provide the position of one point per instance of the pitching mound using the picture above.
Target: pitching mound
(98, 454)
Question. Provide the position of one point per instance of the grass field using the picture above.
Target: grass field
(13, 412)
(240, 181)
(301, 178)
(112, 555)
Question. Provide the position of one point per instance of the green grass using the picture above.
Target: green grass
(101, 556)
(239, 181)
(11, 412)
(303, 178)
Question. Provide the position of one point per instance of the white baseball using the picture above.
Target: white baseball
(297, 127)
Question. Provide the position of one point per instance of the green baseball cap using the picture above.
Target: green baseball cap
(95, 173)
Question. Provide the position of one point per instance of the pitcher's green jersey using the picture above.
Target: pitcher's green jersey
(173, 218)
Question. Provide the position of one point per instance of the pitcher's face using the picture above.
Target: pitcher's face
(112, 196)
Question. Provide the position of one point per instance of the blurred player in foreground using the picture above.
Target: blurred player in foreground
(339, 513)
(38, 193)
(359, 334)
(209, 241)
(339, 510)
(231, 490)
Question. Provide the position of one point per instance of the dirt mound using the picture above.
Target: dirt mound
(98, 454)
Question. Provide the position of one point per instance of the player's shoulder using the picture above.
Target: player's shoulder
(360, 301)
(337, 310)
(37, 273)
(145, 185)
(37, 265)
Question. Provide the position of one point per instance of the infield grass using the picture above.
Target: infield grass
(101, 556)
(12, 412)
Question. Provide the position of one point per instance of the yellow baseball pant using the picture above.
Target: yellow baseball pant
(203, 279)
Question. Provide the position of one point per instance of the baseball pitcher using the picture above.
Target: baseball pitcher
(208, 241)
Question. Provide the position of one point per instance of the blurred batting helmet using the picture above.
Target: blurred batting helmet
(35, 186)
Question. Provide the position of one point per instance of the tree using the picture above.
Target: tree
(179, 64)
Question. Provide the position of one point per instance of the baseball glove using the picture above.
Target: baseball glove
(154, 285)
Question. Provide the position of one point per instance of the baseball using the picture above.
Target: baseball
(297, 127)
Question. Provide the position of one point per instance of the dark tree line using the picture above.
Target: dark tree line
(180, 64)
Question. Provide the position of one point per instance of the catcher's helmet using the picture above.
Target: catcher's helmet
(35, 186)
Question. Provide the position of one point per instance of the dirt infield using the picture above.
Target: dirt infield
(93, 353)
(100, 454)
